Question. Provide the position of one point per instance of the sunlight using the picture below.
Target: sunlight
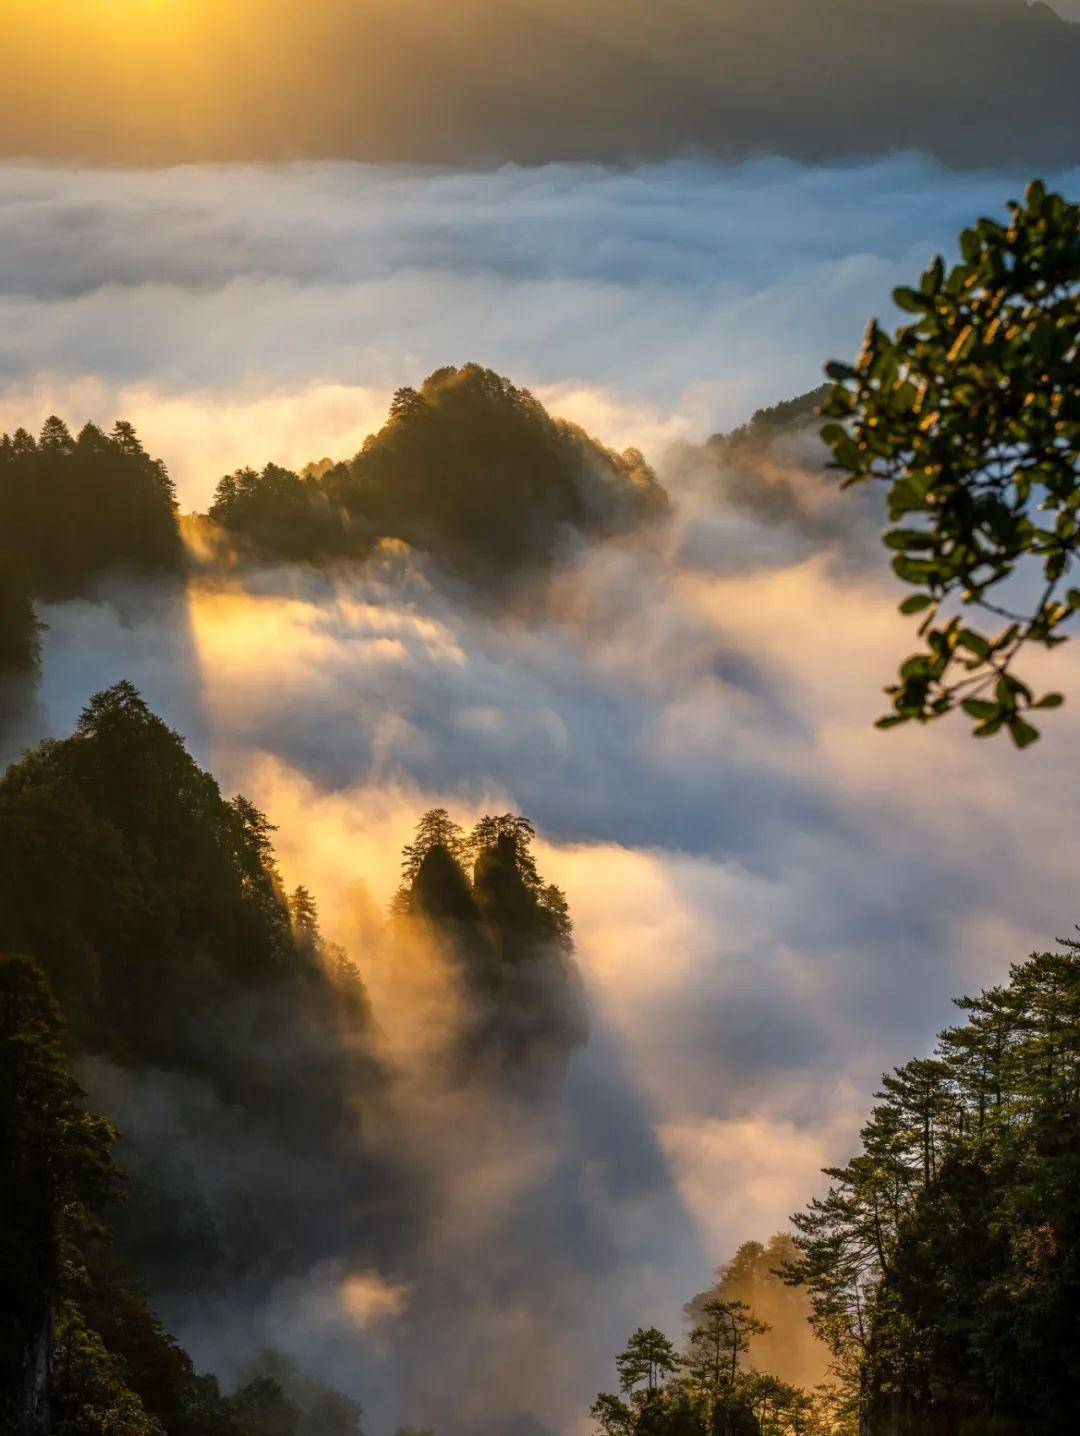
(471, 962)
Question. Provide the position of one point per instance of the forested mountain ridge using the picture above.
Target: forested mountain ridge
(468, 467)
(774, 470)
(81, 1352)
(157, 913)
(941, 1270)
(944, 1263)
(72, 508)
(210, 1017)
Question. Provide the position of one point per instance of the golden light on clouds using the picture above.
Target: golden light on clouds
(370, 1299)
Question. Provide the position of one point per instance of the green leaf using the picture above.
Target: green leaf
(973, 642)
(988, 729)
(847, 454)
(907, 538)
(1022, 733)
(911, 300)
(981, 708)
(916, 603)
(839, 372)
(1049, 700)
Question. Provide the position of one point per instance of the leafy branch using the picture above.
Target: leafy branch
(970, 413)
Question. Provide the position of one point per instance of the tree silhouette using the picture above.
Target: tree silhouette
(74, 509)
(719, 1340)
(469, 468)
(648, 1357)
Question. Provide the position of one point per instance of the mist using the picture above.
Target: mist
(768, 910)
(766, 913)
(241, 314)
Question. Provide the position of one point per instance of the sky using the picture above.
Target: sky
(773, 901)
(481, 81)
(658, 225)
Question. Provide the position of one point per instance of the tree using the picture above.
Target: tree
(275, 1394)
(73, 509)
(468, 468)
(970, 414)
(57, 1169)
(55, 434)
(612, 1416)
(20, 630)
(649, 1357)
(509, 836)
(91, 1395)
(942, 1263)
(304, 914)
(788, 1348)
(80, 1353)
(262, 1408)
(435, 829)
(719, 1340)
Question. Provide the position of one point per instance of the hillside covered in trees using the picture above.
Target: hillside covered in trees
(208, 1015)
(940, 1271)
(151, 908)
(74, 508)
(468, 468)
(81, 1351)
(944, 1262)
(750, 1363)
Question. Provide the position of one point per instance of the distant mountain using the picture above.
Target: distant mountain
(484, 81)
(774, 470)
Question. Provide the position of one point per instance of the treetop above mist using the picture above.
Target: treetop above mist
(72, 508)
(507, 933)
(468, 467)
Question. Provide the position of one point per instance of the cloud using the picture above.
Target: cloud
(743, 1176)
(773, 901)
(240, 313)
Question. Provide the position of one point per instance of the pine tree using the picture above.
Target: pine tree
(719, 1341)
(649, 1357)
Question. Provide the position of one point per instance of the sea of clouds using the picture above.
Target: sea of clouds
(773, 901)
(242, 313)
